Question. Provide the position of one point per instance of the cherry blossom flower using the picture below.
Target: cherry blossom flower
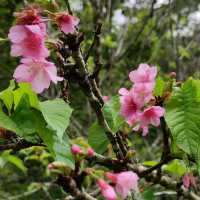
(107, 191)
(124, 182)
(189, 180)
(144, 75)
(66, 22)
(90, 152)
(39, 73)
(75, 149)
(29, 15)
(151, 116)
(130, 105)
(28, 41)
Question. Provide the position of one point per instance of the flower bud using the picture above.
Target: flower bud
(172, 74)
(75, 149)
(90, 152)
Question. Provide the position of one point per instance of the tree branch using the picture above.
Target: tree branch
(90, 91)
(69, 186)
(22, 144)
(69, 7)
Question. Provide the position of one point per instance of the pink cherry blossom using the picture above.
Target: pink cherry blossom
(144, 91)
(144, 74)
(151, 116)
(28, 41)
(90, 152)
(75, 149)
(124, 182)
(189, 180)
(39, 73)
(67, 22)
(29, 15)
(130, 105)
(107, 191)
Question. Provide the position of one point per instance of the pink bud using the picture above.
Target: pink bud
(189, 180)
(107, 191)
(90, 152)
(106, 99)
(112, 177)
(75, 149)
(50, 166)
(172, 74)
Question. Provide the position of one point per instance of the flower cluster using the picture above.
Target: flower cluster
(76, 150)
(134, 102)
(28, 41)
(124, 182)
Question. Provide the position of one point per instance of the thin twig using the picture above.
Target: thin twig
(69, 7)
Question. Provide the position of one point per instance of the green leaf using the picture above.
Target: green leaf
(148, 194)
(150, 163)
(196, 83)
(160, 86)
(26, 118)
(8, 124)
(7, 96)
(97, 138)
(6, 156)
(183, 118)
(111, 112)
(25, 88)
(59, 149)
(29, 123)
(57, 115)
(176, 167)
(184, 52)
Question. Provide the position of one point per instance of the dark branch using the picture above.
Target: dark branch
(69, 7)
(22, 144)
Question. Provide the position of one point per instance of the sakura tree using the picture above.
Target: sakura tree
(103, 162)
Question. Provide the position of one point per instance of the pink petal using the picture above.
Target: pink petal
(40, 82)
(16, 50)
(67, 28)
(122, 191)
(43, 28)
(107, 191)
(26, 60)
(126, 181)
(35, 29)
(159, 111)
(112, 177)
(52, 72)
(123, 91)
(22, 73)
(145, 130)
(155, 121)
(153, 72)
(17, 33)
